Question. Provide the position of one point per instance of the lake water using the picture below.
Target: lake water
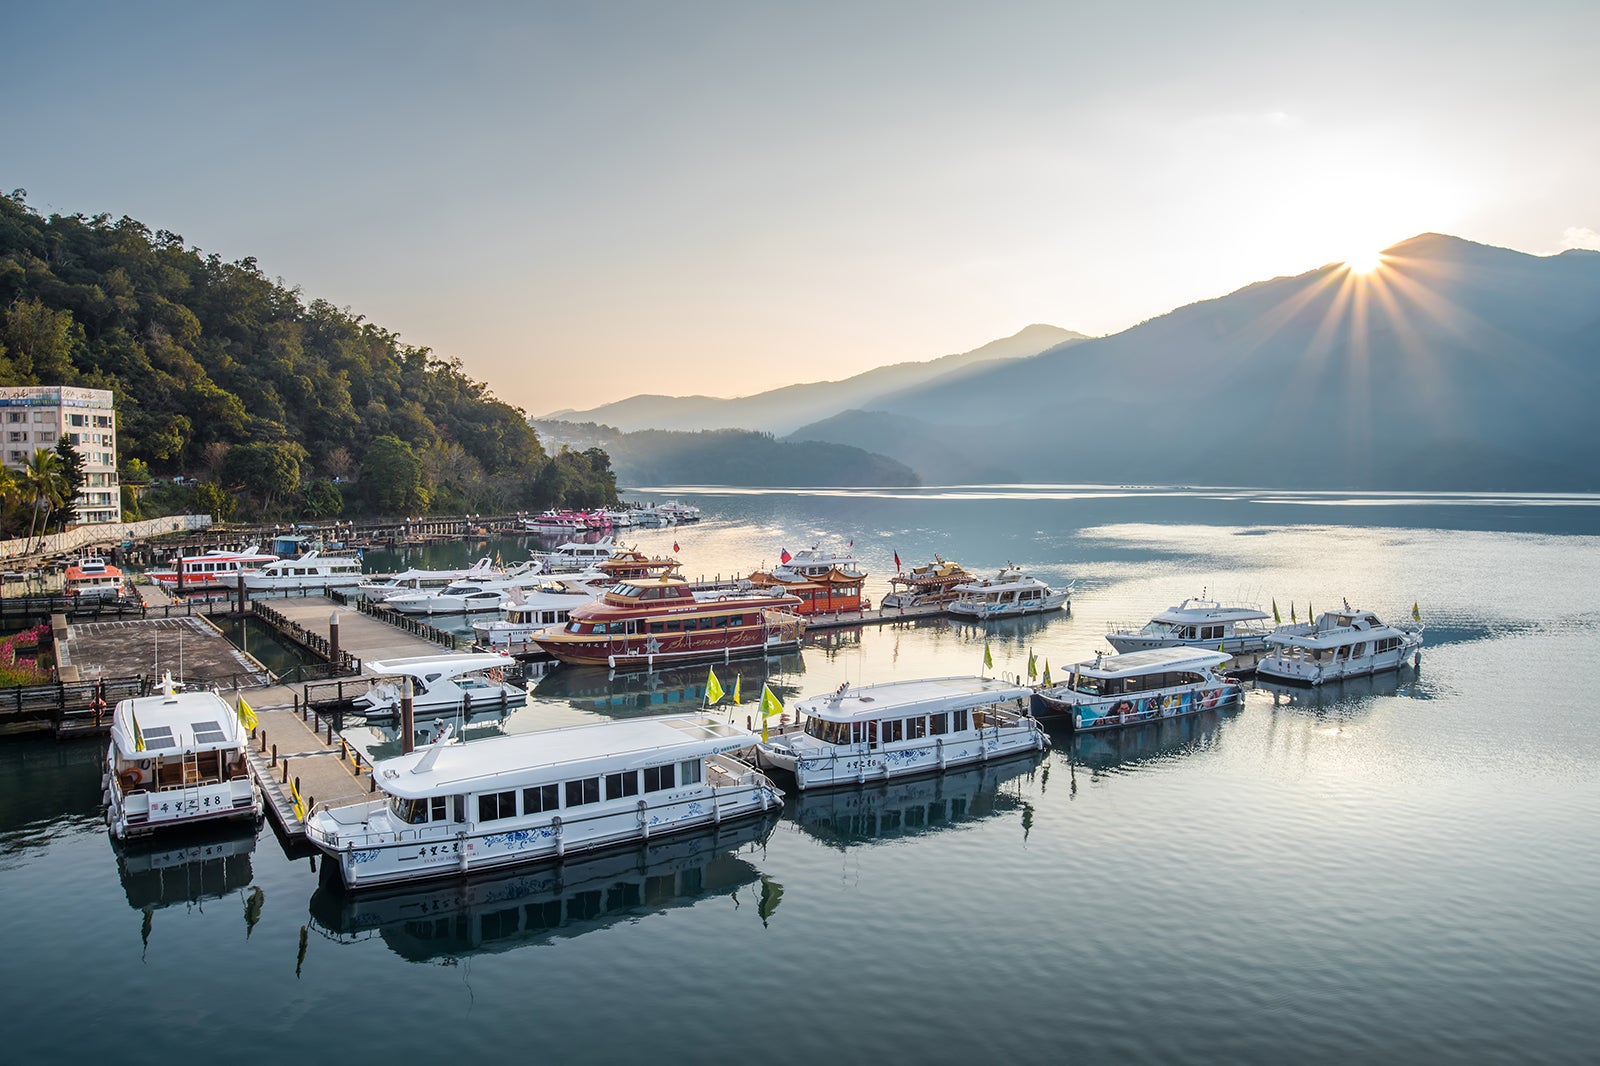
(1401, 869)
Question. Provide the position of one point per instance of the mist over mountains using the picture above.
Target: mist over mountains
(1454, 365)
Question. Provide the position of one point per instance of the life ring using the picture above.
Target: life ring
(128, 779)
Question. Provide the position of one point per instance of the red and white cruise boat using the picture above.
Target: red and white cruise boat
(654, 621)
(93, 581)
(214, 570)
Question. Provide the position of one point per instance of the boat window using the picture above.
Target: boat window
(1090, 686)
(461, 808)
(657, 778)
(893, 730)
(619, 785)
(658, 627)
(958, 720)
(674, 625)
(583, 791)
(495, 805)
(689, 772)
(916, 728)
(540, 798)
(939, 724)
(408, 811)
(438, 809)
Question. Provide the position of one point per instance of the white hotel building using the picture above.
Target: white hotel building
(38, 416)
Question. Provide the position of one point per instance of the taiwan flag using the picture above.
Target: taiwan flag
(897, 562)
(675, 546)
(785, 556)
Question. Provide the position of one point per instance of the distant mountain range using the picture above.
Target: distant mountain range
(786, 409)
(1455, 365)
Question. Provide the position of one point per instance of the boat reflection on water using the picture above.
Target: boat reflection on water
(900, 808)
(1344, 699)
(446, 920)
(189, 866)
(636, 694)
(1132, 746)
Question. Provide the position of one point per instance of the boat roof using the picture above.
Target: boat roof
(1193, 610)
(450, 665)
(1335, 628)
(616, 745)
(174, 722)
(895, 698)
(1006, 579)
(1151, 661)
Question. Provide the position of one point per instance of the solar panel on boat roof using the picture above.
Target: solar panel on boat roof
(208, 733)
(159, 737)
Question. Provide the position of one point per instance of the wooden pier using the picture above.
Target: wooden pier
(300, 762)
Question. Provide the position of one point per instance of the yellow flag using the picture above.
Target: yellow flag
(138, 734)
(1033, 665)
(736, 679)
(299, 804)
(1275, 618)
(770, 704)
(247, 714)
(1416, 611)
(988, 660)
(1046, 679)
(713, 687)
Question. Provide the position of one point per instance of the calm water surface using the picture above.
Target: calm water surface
(1401, 869)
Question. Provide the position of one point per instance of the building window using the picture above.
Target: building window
(46, 437)
(16, 416)
(78, 420)
(16, 437)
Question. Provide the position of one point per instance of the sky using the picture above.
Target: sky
(587, 201)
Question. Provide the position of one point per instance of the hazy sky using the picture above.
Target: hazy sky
(584, 201)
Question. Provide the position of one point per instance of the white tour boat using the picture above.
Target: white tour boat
(1110, 691)
(1339, 644)
(449, 809)
(527, 611)
(576, 555)
(216, 569)
(440, 683)
(176, 758)
(1198, 623)
(313, 570)
(94, 581)
(469, 595)
(420, 580)
(1008, 594)
(878, 732)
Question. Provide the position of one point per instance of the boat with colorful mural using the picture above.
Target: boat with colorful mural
(1198, 623)
(1008, 594)
(665, 620)
(176, 758)
(1337, 645)
(852, 736)
(1111, 691)
(450, 809)
(823, 581)
(926, 585)
(215, 569)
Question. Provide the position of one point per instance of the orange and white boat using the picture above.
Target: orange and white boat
(94, 581)
(213, 570)
(654, 621)
(823, 581)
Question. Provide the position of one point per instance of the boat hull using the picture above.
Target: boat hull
(1302, 672)
(986, 612)
(845, 765)
(1094, 715)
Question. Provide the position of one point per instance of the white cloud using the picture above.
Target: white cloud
(1580, 237)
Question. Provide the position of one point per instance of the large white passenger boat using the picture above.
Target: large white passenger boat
(1006, 595)
(852, 736)
(440, 683)
(576, 555)
(1339, 644)
(450, 809)
(176, 758)
(1110, 691)
(419, 580)
(526, 611)
(1198, 623)
(313, 570)
(469, 595)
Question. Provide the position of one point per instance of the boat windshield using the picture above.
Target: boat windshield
(1155, 628)
(1089, 686)
(409, 811)
(828, 732)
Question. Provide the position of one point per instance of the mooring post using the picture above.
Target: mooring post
(241, 590)
(408, 720)
(333, 638)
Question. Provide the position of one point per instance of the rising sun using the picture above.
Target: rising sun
(1364, 262)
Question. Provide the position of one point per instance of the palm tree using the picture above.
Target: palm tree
(45, 483)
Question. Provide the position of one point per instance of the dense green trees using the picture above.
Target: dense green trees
(223, 373)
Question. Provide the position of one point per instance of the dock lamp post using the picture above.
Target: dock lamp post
(333, 638)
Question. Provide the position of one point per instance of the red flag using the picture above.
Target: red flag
(897, 562)
(785, 557)
(674, 545)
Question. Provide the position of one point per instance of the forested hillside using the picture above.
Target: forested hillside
(274, 404)
(729, 457)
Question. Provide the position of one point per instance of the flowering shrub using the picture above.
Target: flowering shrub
(20, 671)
